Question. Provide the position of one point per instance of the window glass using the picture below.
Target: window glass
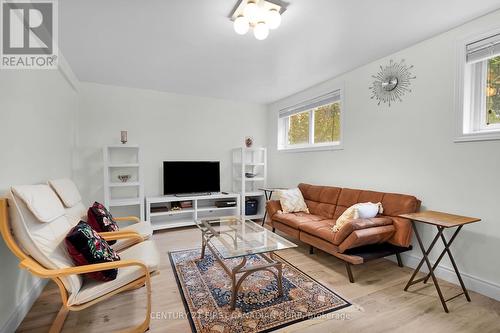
(327, 123)
(298, 129)
(493, 91)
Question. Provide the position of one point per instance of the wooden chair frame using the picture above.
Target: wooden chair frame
(31, 265)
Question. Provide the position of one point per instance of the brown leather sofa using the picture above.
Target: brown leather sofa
(358, 241)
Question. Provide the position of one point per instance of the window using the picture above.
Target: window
(311, 125)
(479, 89)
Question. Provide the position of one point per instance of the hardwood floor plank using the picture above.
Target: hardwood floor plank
(380, 304)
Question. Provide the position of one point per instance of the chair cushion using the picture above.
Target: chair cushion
(142, 228)
(85, 247)
(43, 241)
(67, 191)
(100, 219)
(41, 201)
(292, 201)
(145, 252)
(295, 219)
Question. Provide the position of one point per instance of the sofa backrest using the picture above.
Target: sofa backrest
(321, 200)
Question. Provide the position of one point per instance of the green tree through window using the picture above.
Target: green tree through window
(298, 132)
(327, 123)
(493, 91)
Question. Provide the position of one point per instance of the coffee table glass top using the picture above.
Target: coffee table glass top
(235, 237)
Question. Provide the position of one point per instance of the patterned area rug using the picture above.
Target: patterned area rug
(206, 290)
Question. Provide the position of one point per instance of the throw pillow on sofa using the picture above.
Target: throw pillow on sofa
(367, 210)
(85, 247)
(363, 210)
(100, 219)
(292, 201)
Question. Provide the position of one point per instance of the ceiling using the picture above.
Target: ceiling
(189, 46)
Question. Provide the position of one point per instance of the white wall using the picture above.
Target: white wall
(37, 110)
(167, 127)
(409, 148)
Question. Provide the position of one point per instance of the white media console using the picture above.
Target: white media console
(161, 216)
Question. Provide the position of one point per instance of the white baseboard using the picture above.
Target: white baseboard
(471, 282)
(22, 309)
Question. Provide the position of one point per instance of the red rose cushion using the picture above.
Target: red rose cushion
(85, 247)
(100, 219)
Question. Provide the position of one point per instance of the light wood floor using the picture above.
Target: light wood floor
(380, 304)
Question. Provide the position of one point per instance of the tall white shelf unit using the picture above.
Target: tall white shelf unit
(253, 160)
(123, 159)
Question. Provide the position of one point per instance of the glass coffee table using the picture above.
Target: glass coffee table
(235, 237)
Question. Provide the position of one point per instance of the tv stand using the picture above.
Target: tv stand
(182, 195)
(163, 215)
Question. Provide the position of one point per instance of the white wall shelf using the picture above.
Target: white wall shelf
(253, 160)
(203, 207)
(119, 160)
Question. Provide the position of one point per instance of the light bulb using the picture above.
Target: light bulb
(251, 12)
(261, 31)
(273, 19)
(241, 25)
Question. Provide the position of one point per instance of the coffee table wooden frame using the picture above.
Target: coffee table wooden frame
(236, 282)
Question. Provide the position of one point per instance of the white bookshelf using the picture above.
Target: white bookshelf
(203, 206)
(252, 160)
(123, 159)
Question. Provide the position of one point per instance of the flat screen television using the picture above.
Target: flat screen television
(182, 177)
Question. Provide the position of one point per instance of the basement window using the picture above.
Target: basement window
(479, 97)
(315, 124)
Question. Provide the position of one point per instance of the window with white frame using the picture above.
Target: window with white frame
(313, 124)
(480, 84)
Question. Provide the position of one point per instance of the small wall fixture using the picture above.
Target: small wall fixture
(259, 15)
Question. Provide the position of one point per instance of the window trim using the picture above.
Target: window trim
(283, 126)
(464, 104)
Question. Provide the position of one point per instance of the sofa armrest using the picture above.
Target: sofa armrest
(358, 224)
(273, 206)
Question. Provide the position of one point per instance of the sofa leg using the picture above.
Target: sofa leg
(400, 262)
(311, 249)
(274, 229)
(349, 272)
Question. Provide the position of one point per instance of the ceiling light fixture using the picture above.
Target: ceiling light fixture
(260, 15)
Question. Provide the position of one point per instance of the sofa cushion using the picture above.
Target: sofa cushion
(67, 191)
(321, 200)
(321, 229)
(375, 235)
(295, 219)
(292, 201)
(359, 224)
(85, 247)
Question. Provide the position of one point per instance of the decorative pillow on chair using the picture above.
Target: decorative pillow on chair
(100, 219)
(85, 247)
(292, 201)
(363, 210)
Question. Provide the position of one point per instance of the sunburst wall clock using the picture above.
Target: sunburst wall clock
(392, 82)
